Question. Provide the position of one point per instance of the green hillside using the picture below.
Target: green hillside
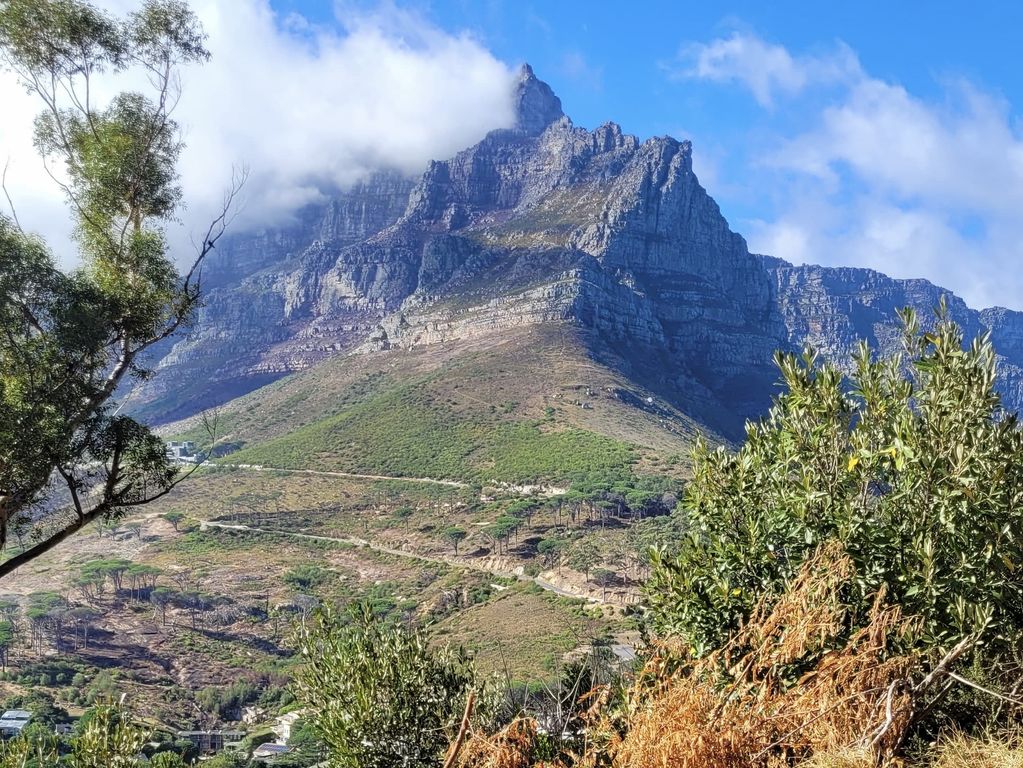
(403, 432)
(523, 407)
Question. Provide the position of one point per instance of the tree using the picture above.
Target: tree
(226, 759)
(914, 467)
(379, 695)
(72, 339)
(83, 619)
(109, 738)
(161, 597)
(141, 579)
(552, 551)
(106, 737)
(584, 556)
(455, 534)
(404, 515)
(174, 518)
(524, 509)
(502, 530)
(604, 579)
(6, 641)
(196, 603)
(33, 747)
(305, 743)
(90, 585)
(113, 568)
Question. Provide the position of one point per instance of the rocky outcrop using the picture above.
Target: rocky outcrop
(830, 309)
(263, 292)
(541, 223)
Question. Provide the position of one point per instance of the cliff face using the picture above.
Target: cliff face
(832, 308)
(541, 223)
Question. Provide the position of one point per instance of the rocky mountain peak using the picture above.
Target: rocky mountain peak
(546, 223)
(536, 105)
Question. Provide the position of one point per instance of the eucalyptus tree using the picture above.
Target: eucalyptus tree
(72, 339)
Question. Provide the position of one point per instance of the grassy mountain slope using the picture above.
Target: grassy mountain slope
(523, 406)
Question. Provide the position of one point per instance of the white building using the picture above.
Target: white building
(181, 451)
(283, 725)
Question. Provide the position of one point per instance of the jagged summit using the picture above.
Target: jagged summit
(546, 224)
(536, 105)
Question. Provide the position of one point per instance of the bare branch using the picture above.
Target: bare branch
(7, 194)
(72, 487)
(988, 691)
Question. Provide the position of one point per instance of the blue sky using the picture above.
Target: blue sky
(884, 135)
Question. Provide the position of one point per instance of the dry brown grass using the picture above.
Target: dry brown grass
(738, 706)
(511, 747)
(848, 757)
(959, 751)
(793, 687)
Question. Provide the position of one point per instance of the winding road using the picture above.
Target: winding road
(360, 542)
(625, 652)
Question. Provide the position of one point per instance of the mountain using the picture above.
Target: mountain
(604, 242)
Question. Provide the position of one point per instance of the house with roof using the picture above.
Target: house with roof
(13, 721)
(270, 750)
(181, 452)
(283, 725)
(211, 741)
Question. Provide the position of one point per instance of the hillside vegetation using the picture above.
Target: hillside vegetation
(847, 593)
(523, 407)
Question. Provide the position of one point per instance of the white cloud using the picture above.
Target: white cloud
(962, 153)
(873, 175)
(902, 242)
(912, 188)
(304, 108)
(764, 68)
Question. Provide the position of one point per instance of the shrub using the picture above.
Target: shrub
(917, 471)
(305, 577)
(377, 694)
(166, 760)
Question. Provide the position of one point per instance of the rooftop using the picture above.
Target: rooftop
(271, 749)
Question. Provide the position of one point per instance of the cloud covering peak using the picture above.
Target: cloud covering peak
(304, 108)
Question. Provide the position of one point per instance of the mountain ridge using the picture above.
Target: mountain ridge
(541, 223)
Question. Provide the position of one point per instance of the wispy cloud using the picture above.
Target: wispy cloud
(575, 66)
(766, 69)
(866, 173)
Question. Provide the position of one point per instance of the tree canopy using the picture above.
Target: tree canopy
(73, 338)
(379, 695)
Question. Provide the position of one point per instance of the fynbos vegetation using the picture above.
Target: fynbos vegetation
(457, 527)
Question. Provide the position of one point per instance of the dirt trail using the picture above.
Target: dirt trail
(356, 475)
(360, 542)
